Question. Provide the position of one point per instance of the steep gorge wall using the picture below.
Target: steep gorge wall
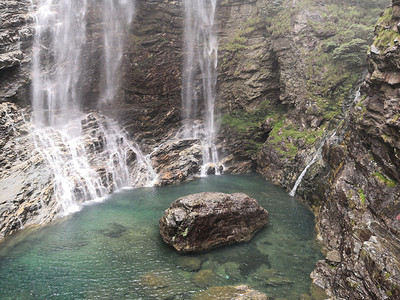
(283, 91)
(288, 71)
(359, 221)
(149, 102)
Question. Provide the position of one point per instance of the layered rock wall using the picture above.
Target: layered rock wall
(149, 102)
(16, 35)
(359, 222)
(25, 180)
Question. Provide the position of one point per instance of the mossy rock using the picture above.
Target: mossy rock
(205, 278)
(216, 292)
(114, 230)
(189, 263)
(160, 285)
(278, 281)
(229, 270)
(154, 280)
(318, 293)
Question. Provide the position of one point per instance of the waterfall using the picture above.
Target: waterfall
(59, 40)
(300, 178)
(117, 16)
(345, 110)
(89, 155)
(313, 160)
(199, 92)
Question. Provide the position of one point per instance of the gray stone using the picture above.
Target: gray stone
(177, 161)
(203, 221)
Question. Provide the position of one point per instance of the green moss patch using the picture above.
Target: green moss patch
(388, 182)
(385, 35)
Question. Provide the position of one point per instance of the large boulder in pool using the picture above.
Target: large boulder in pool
(203, 221)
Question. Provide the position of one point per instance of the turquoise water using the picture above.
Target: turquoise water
(113, 250)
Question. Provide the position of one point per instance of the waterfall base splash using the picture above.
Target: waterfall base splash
(89, 158)
(211, 161)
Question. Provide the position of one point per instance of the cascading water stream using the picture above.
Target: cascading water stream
(199, 92)
(300, 178)
(346, 106)
(313, 160)
(117, 16)
(59, 40)
(88, 155)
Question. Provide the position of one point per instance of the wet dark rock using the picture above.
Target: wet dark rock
(203, 221)
(189, 263)
(359, 222)
(205, 278)
(16, 39)
(177, 161)
(266, 125)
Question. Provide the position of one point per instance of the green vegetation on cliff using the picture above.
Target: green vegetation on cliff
(284, 135)
(388, 182)
(340, 32)
(246, 125)
(385, 35)
(319, 49)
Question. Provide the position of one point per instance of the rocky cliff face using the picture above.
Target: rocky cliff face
(149, 102)
(26, 188)
(15, 48)
(360, 220)
(288, 72)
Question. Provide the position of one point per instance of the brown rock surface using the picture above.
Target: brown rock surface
(177, 161)
(359, 222)
(203, 221)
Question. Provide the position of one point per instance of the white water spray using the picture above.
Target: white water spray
(89, 155)
(60, 35)
(201, 56)
(117, 17)
(300, 178)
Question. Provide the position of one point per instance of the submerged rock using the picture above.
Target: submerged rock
(189, 263)
(205, 278)
(203, 221)
(239, 292)
(114, 230)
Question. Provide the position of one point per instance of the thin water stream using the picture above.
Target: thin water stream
(199, 92)
(113, 250)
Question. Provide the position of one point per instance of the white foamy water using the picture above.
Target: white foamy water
(201, 57)
(87, 162)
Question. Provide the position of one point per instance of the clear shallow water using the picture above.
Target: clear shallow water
(113, 250)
